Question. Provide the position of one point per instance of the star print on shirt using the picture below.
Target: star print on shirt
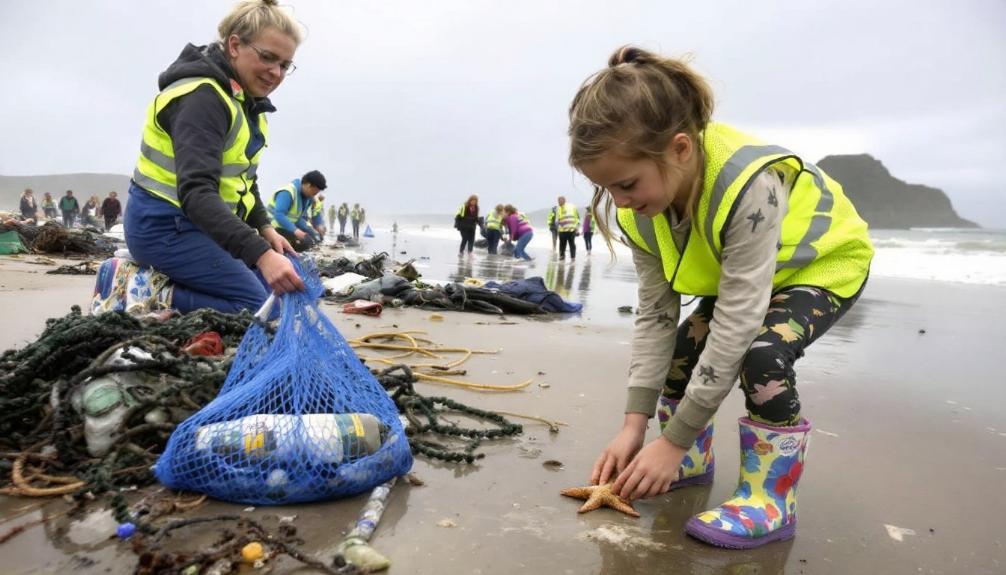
(666, 320)
(772, 199)
(756, 218)
(707, 373)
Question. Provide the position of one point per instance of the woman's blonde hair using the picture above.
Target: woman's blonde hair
(249, 17)
(635, 106)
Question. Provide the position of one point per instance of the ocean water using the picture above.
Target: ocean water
(603, 285)
(941, 254)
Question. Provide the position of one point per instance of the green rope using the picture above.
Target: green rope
(398, 380)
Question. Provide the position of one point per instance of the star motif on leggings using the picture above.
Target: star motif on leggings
(756, 218)
(707, 373)
(772, 199)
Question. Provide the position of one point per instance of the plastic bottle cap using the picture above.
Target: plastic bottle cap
(125, 530)
(252, 552)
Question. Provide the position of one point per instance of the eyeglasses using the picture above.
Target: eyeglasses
(270, 59)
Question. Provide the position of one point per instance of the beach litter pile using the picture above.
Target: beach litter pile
(87, 409)
(52, 238)
(367, 280)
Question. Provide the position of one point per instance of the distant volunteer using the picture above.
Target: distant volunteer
(291, 210)
(318, 215)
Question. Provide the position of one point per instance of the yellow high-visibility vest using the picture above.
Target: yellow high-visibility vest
(824, 242)
(493, 220)
(155, 168)
(567, 217)
(296, 209)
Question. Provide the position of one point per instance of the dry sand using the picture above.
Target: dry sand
(905, 474)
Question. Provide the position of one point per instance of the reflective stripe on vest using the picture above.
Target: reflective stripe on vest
(493, 221)
(155, 168)
(567, 217)
(823, 241)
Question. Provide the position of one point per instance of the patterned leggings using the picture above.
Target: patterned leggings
(796, 317)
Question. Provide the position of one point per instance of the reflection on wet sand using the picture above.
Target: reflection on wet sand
(663, 546)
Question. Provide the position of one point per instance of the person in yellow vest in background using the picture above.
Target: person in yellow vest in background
(567, 222)
(494, 229)
(194, 208)
(342, 214)
(331, 216)
(553, 226)
(589, 227)
(466, 220)
(318, 215)
(770, 243)
(291, 210)
(354, 217)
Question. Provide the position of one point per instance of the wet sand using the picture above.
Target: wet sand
(909, 432)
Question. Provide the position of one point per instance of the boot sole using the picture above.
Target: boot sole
(719, 538)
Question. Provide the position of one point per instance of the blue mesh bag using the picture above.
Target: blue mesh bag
(299, 417)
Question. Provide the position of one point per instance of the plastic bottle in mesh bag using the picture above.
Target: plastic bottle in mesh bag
(324, 437)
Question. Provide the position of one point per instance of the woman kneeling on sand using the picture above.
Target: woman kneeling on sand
(194, 208)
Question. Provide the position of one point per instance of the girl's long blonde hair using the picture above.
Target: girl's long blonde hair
(635, 106)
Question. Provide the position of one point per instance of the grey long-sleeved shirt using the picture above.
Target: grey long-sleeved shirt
(748, 264)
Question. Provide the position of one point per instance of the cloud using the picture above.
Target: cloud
(411, 106)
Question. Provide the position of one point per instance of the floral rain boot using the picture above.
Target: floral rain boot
(123, 285)
(763, 507)
(697, 466)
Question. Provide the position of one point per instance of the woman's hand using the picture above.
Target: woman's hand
(279, 273)
(299, 234)
(652, 471)
(619, 452)
(276, 241)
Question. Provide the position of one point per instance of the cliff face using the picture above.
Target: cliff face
(886, 202)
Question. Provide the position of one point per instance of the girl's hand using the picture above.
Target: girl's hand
(619, 452)
(652, 471)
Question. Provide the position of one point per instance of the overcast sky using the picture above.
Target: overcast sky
(410, 106)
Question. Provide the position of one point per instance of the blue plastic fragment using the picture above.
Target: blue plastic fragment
(125, 530)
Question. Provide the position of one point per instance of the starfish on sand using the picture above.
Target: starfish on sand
(600, 496)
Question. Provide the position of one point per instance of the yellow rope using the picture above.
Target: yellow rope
(465, 384)
(430, 351)
(395, 347)
(21, 486)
